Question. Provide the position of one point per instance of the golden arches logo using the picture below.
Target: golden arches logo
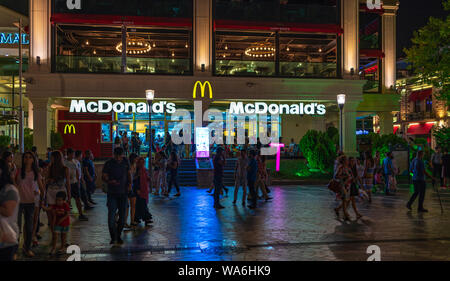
(202, 89)
(70, 128)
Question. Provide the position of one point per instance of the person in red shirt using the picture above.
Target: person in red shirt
(61, 221)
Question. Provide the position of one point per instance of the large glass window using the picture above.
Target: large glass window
(287, 11)
(245, 54)
(308, 55)
(92, 49)
(370, 70)
(275, 54)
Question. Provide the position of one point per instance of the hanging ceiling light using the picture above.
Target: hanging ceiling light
(186, 46)
(260, 50)
(135, 46)
(154, 45)
(287, 49)
(226, 47)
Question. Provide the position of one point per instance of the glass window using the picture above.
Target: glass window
(288, 11)
(86, 49)
(429, 104)
(369, 30)
(159, 52)
(154, 8)
(91, 49)
(245, 54)
(309, 55)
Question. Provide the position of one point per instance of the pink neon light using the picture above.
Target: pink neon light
(278, 146)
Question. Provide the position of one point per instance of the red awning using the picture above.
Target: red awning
(396, 129)
(420, 129)
(420, 95)
(371, 53)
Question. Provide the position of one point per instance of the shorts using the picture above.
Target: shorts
(132, 193)
(61, 229)
(368, 184)
(51, 194)
(75, 190)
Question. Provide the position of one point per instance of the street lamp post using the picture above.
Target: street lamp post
(341, 103)
(150, 95)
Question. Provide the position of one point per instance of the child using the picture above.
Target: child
(379, 182)
(61, 221)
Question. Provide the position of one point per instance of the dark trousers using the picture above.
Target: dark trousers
(83, 194)
(419, 190)
(90, 188)
(27, 210)
(142, 212)
(117, 204)
(386, 181)
(218, 185)
(437, 173)
(173, 180)
(252, 190)
(7, 254)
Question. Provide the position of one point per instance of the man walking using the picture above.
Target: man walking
(419, 172)
(83, 193)
(219, 163)
(436, 164)
(388, 172)
(117, 175)
(252, 172)
(89, 175)
(74, 182)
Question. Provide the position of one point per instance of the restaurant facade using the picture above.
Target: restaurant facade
(92, 61)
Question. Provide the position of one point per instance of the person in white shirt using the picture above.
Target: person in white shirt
(74, 175)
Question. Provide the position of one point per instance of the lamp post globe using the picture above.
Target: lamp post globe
(341, 103)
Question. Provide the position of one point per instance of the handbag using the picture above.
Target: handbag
(334, 186)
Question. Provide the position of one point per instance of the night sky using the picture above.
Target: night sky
(412, 15)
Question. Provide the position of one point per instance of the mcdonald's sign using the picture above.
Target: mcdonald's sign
(69, 129)
(202, 89)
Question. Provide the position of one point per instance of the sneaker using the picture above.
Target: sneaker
(92, 202)
(422, 211)
(409, 207)
(87, 208)
(177, 195)
(83, 218)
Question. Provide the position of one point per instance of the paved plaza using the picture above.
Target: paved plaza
(298, 225)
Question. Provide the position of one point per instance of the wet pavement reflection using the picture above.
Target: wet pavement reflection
(299, 224)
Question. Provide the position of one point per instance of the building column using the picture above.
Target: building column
(40, 35)
(202, 36)
(349, 127)
(389, 45)
(350, 48)
(42, 124)
(386, 123)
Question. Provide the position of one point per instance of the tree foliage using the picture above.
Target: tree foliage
(318, 149)
(430, 54)
(442, 135)
(56, 140)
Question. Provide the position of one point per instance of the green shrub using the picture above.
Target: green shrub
(442, 135)
(5, 141)
(319, 150)
(28, 139)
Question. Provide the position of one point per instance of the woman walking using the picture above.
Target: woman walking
(240, 176)
(354, 192)
(9, 207)
(141, 186)
(8, 157)
(58, 180)
(131, 209)
(29, 184)
(343, 175)
(262, 177)
(172, 166)
(369, 173)
(162, 175)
